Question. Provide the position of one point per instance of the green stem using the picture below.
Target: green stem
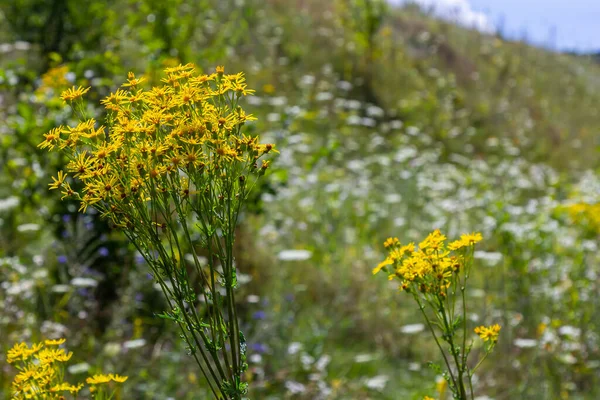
(454, 352)
(215, 316)
(437, 342)
(154, 237)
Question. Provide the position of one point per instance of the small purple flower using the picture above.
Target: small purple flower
(139, 297)
(259, 348)
(259, 315)
(83, 292)
(103, 251)
(139, 260)
(62, 259)
(89, 226)
(66, 218)
(65, 234)
(149, 276)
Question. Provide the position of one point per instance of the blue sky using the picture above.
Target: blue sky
(559, 24)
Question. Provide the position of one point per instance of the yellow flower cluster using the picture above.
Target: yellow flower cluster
(587, 214)
(488, 333)
(436, 275)
(101, 378)
(55, 78)
(428, 267)
(176, 138)
(41, 371)
(53, 81)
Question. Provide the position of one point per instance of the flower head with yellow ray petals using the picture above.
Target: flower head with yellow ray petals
(73, 93)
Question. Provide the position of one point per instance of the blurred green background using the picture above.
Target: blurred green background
(389, 123)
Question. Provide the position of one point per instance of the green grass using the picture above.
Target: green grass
(435, 126)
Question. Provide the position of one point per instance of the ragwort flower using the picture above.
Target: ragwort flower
(488, 333)
(73, 93)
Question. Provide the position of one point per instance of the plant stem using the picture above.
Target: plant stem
(454, 351)
(422, 308)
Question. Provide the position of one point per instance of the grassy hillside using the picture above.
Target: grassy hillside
(389, 123)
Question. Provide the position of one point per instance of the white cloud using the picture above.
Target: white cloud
(459, 11)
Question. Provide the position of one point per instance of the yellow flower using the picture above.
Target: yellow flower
(586, 215)
(391, 242)
(466, 240)
(73, 93)
(22, 352)
(382, 265)
(98, 379)
(179, 68)
(55, 342)
(51, 138)
(104, 150)
(58, 181)
(190, 127)
(132, 81)
(397, 253)
(41, 376)
(118, 378)
(457, 244)
(48, 356)
(82, 165)
(489, 333)
(431, 265)
(55, 78)
(269, 88)
(433, 241)
(471, 238)
(115, 100)
(24, 376)
(187, 95)
(105, 378)
(67, 191)
(441, 385)
(67, 387)
(541, 328)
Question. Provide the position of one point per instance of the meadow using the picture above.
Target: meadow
(386, 123)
